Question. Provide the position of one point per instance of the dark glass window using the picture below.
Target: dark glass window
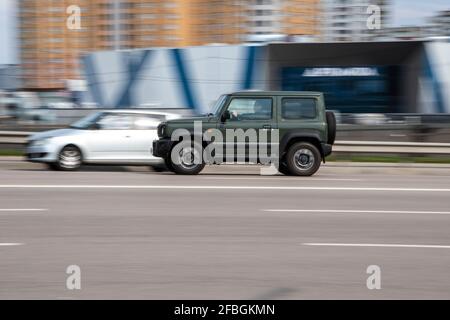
(250, 109)
(298, 108)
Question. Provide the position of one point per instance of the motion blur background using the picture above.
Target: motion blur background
(230, 232)
(386, 84)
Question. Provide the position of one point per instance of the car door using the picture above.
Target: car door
(256, 117)
(142, 136)
(110, 141)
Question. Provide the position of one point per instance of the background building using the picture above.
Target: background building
(437, 26)
(10, 77)
(440, 24)
(355, 77)
(346, 20)
(50, 51)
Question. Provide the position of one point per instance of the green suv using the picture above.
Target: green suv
(289, 129)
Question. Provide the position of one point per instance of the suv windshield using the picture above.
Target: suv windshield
(218, 105)
(86, 122)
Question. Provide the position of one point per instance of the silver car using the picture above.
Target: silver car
(106, 137)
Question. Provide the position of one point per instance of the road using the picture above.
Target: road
(228, 233)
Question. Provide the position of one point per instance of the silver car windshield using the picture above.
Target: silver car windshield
(87, 122)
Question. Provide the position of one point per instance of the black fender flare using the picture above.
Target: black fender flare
(299, 135)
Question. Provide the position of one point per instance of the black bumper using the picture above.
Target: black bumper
(161, 147)
(326, 149)
(34, 157)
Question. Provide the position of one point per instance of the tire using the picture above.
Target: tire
(189, 152)
(303, 159)
(52, 166)
(168, 164)
(282, 168)
(69, 158)
(331, 122)
(159, 167)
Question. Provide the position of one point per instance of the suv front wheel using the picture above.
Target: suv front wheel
(303, 159)
(186, 158)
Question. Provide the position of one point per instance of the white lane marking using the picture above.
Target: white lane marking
(187, 187)
(377, 245)
(357, 211)
(15, 209)
(278, 178)
(7, 244)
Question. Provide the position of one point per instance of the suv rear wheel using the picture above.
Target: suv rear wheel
(283, 168)
(186, 157)
(303, 159)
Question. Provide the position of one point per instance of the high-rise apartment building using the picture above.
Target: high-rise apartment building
(346, 20)
(282, 17)
(301, 18)
(50, 50)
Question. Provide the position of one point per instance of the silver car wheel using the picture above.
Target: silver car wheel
(70, 158)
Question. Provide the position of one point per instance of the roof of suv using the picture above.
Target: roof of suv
(276, 93)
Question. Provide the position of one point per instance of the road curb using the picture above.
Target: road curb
(12, 158)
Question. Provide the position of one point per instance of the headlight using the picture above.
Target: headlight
(39, 143)
(161, 130)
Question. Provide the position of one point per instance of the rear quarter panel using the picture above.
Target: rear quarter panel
(316, 127)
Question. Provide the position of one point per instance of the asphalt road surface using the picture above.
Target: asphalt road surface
(228, 233)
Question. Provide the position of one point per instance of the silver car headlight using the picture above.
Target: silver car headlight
(39, 143)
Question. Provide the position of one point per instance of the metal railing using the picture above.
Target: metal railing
(375, 147)
(387, 147)
(14, 137)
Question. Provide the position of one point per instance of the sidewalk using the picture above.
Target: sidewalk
(11, 158)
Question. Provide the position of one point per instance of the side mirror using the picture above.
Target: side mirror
(226, 116)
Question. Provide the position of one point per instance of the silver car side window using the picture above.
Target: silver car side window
(115, 122)
(147, 122)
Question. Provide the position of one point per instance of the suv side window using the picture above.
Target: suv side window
(298, 108)
(250, 109)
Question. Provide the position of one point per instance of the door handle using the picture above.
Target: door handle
(267, 126)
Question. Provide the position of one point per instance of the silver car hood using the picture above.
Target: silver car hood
(54, 133)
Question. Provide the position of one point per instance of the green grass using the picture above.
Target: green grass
(10, 152)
